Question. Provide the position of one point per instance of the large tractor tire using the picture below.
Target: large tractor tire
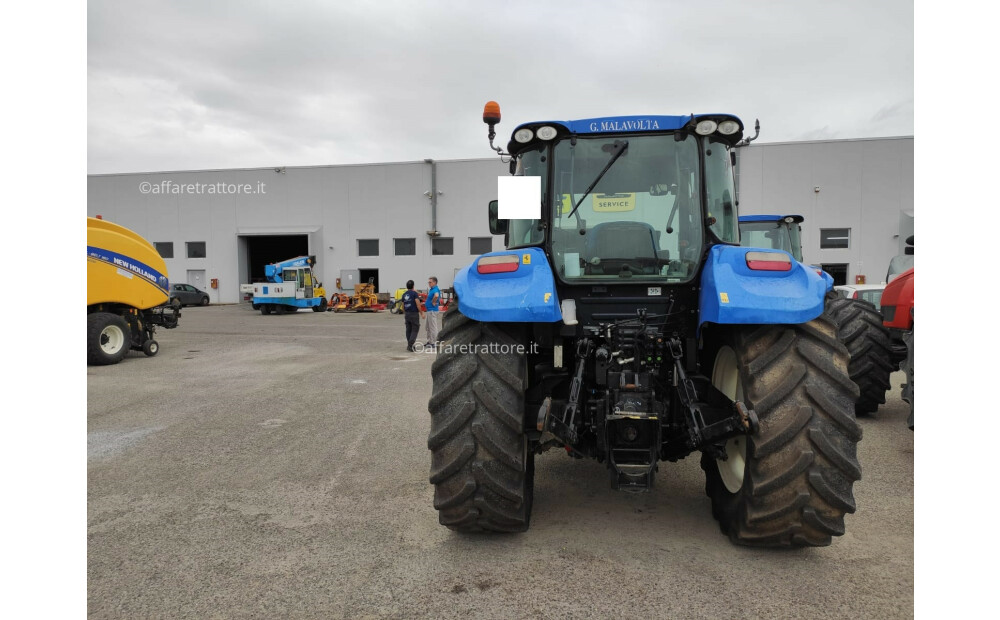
(109, 338)
(859, 327)
(907, 367)
(482, 466)
(791, 483)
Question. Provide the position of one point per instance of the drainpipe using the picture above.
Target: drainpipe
(433, 195)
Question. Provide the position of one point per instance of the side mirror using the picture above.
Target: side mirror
(497, 226)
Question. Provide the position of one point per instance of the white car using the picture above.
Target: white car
(872, 293)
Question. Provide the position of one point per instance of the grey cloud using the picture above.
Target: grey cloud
(221, 84)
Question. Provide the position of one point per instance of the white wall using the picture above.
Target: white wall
(335, 205)
(863, 185)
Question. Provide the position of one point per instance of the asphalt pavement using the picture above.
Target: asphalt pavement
(276, 467)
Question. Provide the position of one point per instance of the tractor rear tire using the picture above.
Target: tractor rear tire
(482, 465)
(791, 483)
(859, 327)
(907, 367)
(109, 338)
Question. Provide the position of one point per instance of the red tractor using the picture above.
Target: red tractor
(897, 316)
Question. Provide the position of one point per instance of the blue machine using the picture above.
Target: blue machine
(291, 285)
(624, 322)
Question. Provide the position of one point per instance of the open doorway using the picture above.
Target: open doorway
(263, 250)
(366, 274)
(838, 271)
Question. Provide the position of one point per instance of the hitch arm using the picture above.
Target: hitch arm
(564, 428)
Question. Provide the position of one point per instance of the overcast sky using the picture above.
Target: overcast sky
(194, 85)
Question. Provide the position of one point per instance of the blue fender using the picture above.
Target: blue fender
(525, 295)
(734, 294)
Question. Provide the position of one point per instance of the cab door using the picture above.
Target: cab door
(307, 282)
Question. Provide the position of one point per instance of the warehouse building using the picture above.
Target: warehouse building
(393, 222)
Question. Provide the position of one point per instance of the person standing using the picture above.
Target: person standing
(411, 314)
(433, 323)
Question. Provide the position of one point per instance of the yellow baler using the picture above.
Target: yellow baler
(127, 293)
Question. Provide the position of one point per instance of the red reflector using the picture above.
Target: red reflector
(497, 268)
(498, 264)
(768, 265)
(768, 261)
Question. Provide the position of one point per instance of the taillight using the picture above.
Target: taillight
(498, 264)
(768, 261)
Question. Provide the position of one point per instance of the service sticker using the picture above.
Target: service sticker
(526, 259)
(614, 202)
(548, 296)
(724, 297)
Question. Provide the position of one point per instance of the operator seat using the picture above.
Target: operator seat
(621, 240)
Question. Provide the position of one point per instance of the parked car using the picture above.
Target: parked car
(872, 293)
(187, 295)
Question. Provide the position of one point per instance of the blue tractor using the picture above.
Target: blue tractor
(624, 323)
(858, 322)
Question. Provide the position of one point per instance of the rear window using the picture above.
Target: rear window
(872, 297)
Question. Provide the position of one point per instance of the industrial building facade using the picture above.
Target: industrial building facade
(399, 221)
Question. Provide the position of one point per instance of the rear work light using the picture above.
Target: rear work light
(498, 264)
(768, 261)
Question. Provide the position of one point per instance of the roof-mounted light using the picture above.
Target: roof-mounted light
(790, 220)
(728, 128)
(706, 127)
(491, 113)
(546, 132)
(523, 135)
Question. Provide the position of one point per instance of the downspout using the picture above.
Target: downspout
(433, 194)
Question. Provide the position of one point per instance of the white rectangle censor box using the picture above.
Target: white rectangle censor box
(519, 198)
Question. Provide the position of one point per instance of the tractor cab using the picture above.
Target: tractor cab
(628, 197)
(779, 232)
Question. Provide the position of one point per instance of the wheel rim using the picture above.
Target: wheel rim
(112, 339)
(726, 378)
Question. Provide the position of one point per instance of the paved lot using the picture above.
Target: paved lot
(267, 467)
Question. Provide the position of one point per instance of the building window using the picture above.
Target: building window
(480, 245)
(405, 247)
(367, 247)
(834, 238)
(441, 246)
(196, 249)
(165, 248)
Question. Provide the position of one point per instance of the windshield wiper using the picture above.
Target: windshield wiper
(619, 147)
